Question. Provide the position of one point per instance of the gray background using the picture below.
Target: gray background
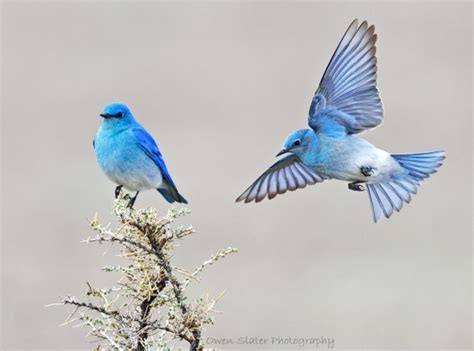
(220, 85)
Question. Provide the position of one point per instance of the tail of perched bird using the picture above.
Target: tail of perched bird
(172, 196)
(386, 196)
(169, 191)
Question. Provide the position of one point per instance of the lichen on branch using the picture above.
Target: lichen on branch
(147, 308)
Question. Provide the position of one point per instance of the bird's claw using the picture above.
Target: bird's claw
(131, 202)
(118, 189)
(356, 186)
(367, 170)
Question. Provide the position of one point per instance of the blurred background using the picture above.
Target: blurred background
(219, 86)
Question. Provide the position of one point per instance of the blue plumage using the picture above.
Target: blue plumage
(347, 102)
(129, 156)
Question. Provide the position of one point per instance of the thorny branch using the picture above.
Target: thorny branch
(149, 303)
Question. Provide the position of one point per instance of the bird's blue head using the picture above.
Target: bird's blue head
(116, 113)
(300, 143)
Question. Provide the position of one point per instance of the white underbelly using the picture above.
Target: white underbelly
(382, 163)
(348, 167)
(136, 181)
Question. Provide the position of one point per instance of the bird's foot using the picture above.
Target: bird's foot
(131, 202)
(118, 189)
(356, 186)
(367, 170)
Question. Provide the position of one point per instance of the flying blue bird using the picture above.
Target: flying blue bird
(347, 102)
(129, 156)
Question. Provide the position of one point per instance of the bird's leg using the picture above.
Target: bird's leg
(356, 186)
(367, 170)
(132, 200)
(118, 189)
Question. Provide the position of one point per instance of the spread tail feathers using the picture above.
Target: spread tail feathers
(387, 196)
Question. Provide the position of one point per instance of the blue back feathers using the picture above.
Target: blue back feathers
(168, 190)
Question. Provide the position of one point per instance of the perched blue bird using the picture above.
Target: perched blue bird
(129, 156)
(347, 102)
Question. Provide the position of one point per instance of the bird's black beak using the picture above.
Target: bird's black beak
(283, 151)
(104, 115)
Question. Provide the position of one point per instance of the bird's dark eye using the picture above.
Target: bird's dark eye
(119, 115)
(297, 143)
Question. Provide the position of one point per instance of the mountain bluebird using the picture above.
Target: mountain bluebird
(129, 156)
(346, 103)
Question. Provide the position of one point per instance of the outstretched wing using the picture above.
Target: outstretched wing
(287, 173)
(148, 145)
(349, 83)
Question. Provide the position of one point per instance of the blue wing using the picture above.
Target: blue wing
(148, 145)
(287, 173)
(349, 84)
